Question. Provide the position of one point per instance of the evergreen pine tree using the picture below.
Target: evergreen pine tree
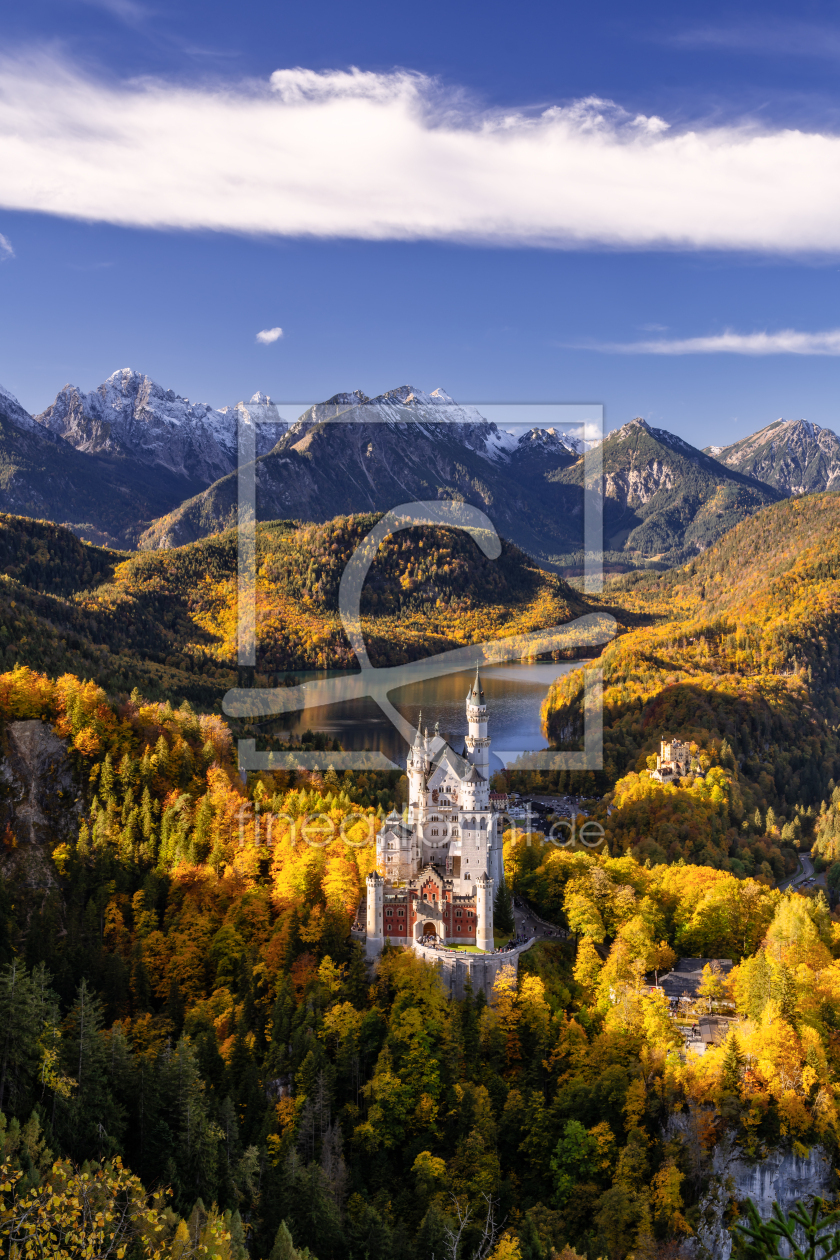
(759, 985)
(201, 831)
(194, 1149)
(783, 990)
(356, 983)
(92, 1122)
(503, 909)
(147, 821)
(283, 1248)
(161, 754)
(21, 1026)
(732, 1065)
(238, 1249)
(106, 779)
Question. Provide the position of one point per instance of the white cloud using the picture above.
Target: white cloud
(6, 250)
(393, 156)
(789, 341)
(268, 335)
(772, 38)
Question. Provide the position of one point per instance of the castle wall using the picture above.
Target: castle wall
(482, 969)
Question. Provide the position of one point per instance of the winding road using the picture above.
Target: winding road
(805, 872)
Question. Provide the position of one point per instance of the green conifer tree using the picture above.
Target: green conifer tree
(503, 909)
(732, 1065)
(760, 981)
(106, 779)
(284, 1248)
(783, 990)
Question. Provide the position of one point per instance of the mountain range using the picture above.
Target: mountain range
(133, 465)
(664, 499)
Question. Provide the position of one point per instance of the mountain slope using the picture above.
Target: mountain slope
(664, 499)
(793, 456)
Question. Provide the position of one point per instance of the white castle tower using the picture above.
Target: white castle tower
(375, 896)
(484, 912)
(477, 743)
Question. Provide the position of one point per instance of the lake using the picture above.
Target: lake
(513, 694)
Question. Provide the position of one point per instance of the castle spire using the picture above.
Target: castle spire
(476, 692)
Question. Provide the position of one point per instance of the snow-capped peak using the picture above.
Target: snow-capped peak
(13, 410)
(131, 414)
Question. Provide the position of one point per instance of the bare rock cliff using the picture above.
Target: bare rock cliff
(39, 805)
(783, 1177)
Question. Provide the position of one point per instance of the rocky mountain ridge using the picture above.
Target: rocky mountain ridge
(130, 415)
(793, 456)
(131, 463)
(665, 500)
(358, 454)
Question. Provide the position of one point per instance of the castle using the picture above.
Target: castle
(438, 865)
(674, 761)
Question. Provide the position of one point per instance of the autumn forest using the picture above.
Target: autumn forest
(196, 1057)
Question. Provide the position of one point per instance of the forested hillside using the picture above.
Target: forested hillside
(186, 1017)
(166, 620)
(741, 656)
(181, 993)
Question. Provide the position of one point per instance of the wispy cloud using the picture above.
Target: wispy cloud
(6, 250)
(394, 156)
(128, 11)
(789, 341)
(787, 39)
(268, 335)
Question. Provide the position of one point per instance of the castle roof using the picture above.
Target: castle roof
(476, 692)
(474, 776)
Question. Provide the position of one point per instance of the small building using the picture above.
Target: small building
(687, 975)
(713, 1030)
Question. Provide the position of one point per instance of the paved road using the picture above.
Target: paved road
(805, 872)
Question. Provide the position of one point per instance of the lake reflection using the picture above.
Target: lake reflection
(513, 692)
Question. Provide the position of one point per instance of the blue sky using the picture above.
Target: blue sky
(427, 221)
